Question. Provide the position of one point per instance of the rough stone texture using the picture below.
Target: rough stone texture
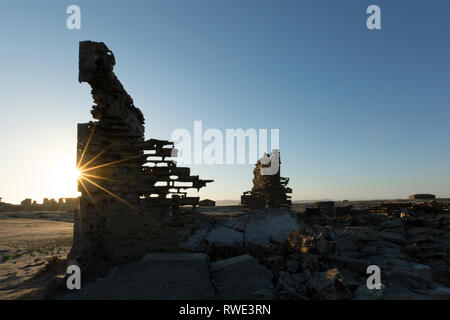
(257, 228)
(328, 286)
(224, 236)
(270, 224)
(408, 241)
(413, 270)
(269, 191)
(130, 188)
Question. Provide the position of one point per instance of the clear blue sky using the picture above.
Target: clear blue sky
(362, 114)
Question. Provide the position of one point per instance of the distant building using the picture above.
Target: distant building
(207, 203)
(63, 204)
(422, 196)
(71, 203)
(26, 203)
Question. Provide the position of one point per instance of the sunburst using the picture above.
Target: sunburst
(84, 176)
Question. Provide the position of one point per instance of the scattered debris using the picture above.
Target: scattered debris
(319, 253)
(328, 258)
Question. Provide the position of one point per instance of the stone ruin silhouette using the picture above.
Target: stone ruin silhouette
(269, 190)
(131, 188)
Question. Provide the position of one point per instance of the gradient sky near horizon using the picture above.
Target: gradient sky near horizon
(362, 114)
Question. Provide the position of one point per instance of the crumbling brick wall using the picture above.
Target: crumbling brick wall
(269, 191)
(130, 190)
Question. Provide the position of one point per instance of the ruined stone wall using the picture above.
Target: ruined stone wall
(269, 191)
(129, 203)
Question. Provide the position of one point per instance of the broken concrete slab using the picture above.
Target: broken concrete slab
(155, 276)
(224, 236)
(218, 265)
(265, 294)
(253, 228)
(275, 224)
(196, 242)
(241, 278)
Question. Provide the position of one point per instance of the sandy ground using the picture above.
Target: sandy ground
(28, 241)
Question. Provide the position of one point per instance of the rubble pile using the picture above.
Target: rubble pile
(132, 190)
(327, 257)
(269, 190)
(130, 187)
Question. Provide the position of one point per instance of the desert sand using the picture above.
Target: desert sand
(28, 242)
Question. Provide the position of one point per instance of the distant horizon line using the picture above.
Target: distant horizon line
(238, 200)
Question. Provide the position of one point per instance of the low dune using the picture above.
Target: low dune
(28, 242)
